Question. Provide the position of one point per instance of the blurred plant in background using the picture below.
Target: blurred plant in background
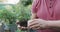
(9, 13)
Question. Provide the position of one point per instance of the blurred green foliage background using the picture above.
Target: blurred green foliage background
(17, 11)
(10, 13)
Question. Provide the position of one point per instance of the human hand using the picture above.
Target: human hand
(37, 24)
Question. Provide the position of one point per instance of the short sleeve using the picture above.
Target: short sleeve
(34, 6)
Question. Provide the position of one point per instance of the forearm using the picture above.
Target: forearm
(33, 16)
(53, 24)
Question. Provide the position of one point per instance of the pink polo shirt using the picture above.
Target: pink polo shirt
(47, 10)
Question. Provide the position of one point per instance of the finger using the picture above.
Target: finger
(37, 28)
(33, 21)
(31, 24)
(34, 26)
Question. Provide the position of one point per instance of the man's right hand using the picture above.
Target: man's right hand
(37, 24)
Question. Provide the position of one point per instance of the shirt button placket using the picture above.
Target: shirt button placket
(50, 4)
(51, 7)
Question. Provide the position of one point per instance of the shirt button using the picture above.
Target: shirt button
(50, 0)
(50, 7)
(50, 3)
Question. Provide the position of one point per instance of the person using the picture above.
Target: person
(45, 16)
